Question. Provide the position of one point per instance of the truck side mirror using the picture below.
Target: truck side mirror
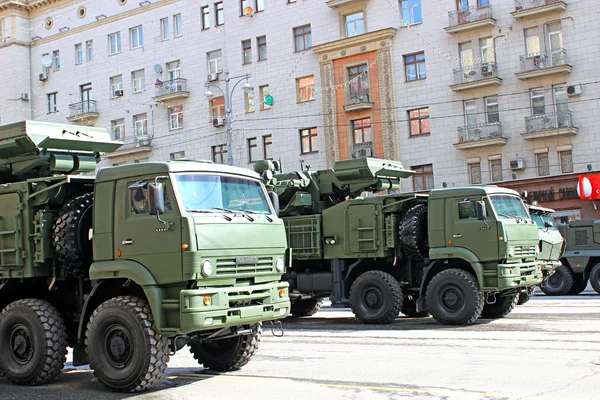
(275, 201)
(480, 210)
(548, 224)
(156, 198)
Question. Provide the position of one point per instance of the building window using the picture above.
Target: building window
(249, 100)
(164, 28)
(470, 110)
(219, 13)
(308, 139)
(302, 38)
(264, 92)
(253, 151)
(117, 128)
(538, 104)
(56, 60)
(492, 114)
(411, 12)
(532, 41)
(138, 81)
(361, 131)
(305, 88)
(246, 51)
(214, 62)
(496, 170)
(474, 173)
(261, 43)
(414, 66)
(78, 54)
(418, 121)
(173, 70)
(291, 1)
(355, 24)
(140, 125)
(116, 86)
(137, 37)
(175, 117)
(114, 43)
(52, 107)
(177, 25)
(542, 162)
(486, 47)
(178, 155)
(267, 147)
(217, 106)
(423, 177)
(359, 84)
(89, 50)
(219, 153)
(465, 51)
(205, 17)
(243, 5)
(566, 161)
(260, 5)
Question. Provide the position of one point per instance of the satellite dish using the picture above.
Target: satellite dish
(157, 68)
(248, 11)
(46, 61)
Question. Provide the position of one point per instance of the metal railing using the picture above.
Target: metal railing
(360, 150)
(543, 60)
(470, 14)
(527, 4)
(83, 107)
(548, 122)
(475, 73)
(169, 87)
(357, 96)
(473, 133)
(130, 142)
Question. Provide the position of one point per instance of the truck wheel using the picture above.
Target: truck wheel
(559, 283)
(524, 297)
(595, 278)
(33, 342)
(413, 233)
(376, 297)
(501, 308)
(71, 235)
(579, 285)
(306, 307)
(125, 352)
(409, 308)
(453, 297)
(227, 354)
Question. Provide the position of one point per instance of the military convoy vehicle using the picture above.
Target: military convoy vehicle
(132, 265)
(457, 253)
(580, 261)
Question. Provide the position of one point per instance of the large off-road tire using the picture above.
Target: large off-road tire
(579, 285)
(595, 278)
(124, 349)
(33, 342)
(376, 297)
(524, 297)
(227, 354)
(454, 298)
(412, 232)
(306, 307)
(559, 283)
(501, 308)
(409, 308)
(71, 235)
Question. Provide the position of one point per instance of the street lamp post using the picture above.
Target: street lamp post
(227, 97)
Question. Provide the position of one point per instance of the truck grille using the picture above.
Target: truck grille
(228, 267)
(525, 251)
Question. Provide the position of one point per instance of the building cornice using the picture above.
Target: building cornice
(356, 41)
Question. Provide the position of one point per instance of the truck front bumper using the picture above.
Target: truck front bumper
(221, 307)
(516, 275)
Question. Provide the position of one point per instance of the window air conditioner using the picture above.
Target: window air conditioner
(363, 152)
(213, 77)
(43, 77)
(118, 93)
(219, 121)
(574, 90)
(25, 96)
(517, 164)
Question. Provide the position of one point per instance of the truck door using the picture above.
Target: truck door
(141, 237)
(480, 237)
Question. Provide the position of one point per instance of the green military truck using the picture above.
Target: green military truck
(580, 261)
(457, 253)
(132, 265)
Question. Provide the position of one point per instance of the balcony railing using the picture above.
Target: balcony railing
(479, 135)
(173, 89)
(132, 145)
(549, 122)
(475, 75)
(544, 63)
(358, 100)
(361, 150)
(83, 109)
(469, 15)
(533, 8)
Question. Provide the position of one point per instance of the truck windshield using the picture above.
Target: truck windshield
(217, 193)
(541, 220)
(507, 206)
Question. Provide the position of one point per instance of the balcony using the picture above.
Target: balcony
(358, 100)
(534, 8)
(171, 90)
(553, 124)
(132, 145)
(83, 110)
(543, 64)
(362, 150)
(480, 135)
(474, 17)
(475, 76)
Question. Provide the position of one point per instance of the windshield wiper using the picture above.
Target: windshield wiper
(228, 218)
(260, 213)
(516, 217)
(229, 210)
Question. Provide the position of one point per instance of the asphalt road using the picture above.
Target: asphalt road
(548, 348)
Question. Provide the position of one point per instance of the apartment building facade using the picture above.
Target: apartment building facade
(462, 91)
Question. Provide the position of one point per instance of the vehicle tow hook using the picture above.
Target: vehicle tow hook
(491, 298)
(279, 326)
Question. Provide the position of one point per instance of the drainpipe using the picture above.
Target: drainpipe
(30, 88)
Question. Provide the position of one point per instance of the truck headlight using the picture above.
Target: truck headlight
(511, 252)
(207, 268)
(279, 265)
